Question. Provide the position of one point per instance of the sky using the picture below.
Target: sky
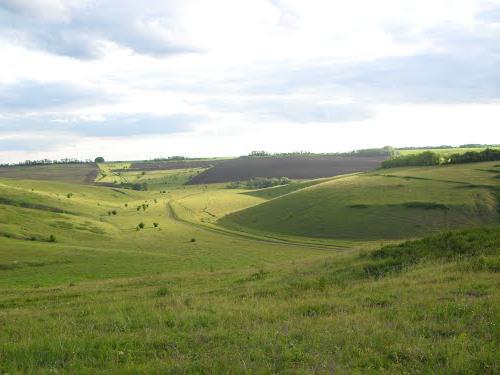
(127, 79)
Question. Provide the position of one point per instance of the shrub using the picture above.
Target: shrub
(456, 245)
(156, 225)
(264, 182)
(193, 239)
(52, 238)
(114, 212)
(141, 225)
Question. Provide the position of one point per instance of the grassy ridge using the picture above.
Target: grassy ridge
(407, 202)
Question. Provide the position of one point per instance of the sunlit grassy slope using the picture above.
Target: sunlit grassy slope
(93, 243)
(386, 204)
(155, 178)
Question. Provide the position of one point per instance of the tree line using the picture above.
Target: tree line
(428, 158)
(386, 151)
(46, 162)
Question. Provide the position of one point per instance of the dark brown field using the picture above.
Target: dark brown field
(242, 169)
(70, 173)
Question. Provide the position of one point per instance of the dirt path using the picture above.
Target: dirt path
(173, 215)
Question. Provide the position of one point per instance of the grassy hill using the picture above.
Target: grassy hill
(401, 203)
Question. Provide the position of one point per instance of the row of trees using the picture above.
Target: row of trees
(46, 162)
(427, 158)
(259, 183)
(387, 151)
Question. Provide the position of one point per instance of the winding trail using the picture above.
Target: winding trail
(248, 236)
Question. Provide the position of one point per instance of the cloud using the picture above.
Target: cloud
(81, 30)
(463, 66)
(295, 110)
(110, 125)
(33, 143)
(35, 96)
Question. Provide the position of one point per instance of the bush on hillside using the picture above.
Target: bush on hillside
(455, 245)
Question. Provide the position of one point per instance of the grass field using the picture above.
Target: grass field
(282, 294)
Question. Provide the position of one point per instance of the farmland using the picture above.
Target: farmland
(71, 173)
(241, 169)
(310, 277)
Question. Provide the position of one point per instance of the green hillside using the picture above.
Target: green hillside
(393, 204)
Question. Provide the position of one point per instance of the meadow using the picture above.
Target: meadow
(316, 276)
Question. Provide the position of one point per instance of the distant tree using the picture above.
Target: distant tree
(99, 159)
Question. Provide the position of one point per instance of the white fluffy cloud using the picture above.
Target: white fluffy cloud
(227, 76)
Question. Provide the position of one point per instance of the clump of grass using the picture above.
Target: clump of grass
(162, 292)
(360, 205)
(426, 205)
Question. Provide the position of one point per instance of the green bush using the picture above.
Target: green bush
(448, 246)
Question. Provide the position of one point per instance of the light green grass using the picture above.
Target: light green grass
(156, 179)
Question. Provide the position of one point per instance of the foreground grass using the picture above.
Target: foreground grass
(436, 314)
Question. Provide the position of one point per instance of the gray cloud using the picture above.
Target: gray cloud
(297, 110)
(36, 96)
(114, 125)
(30, 144)
(145, 27)
(463, 67)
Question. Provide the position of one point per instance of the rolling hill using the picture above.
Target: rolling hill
(382, 205)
